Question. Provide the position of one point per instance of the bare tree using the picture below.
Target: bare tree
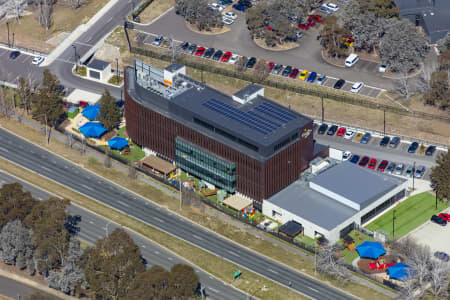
(330, 264)
(17, 8)
(439, 278)
(261, 70)
(420, 261)
(241, 64)
(44, 13)
(76, 3)
(6, 103)
(108, 161)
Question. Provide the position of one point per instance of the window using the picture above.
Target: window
(275, 214)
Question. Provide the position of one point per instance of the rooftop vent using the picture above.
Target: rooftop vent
(248, 93)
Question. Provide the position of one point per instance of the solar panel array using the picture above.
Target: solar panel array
(276, 112)
(249, 119)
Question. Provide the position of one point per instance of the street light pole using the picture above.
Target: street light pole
(393, 224)
(7, 26)
(384, 121)
(76, 60)
(181, 198)
(13, 40)
(117, 66)
(413, 171)
(322, 110)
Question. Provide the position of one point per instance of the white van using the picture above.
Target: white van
(351, 60)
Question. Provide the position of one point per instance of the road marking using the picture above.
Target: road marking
(158, 219)
(45, 168)
(66, 167)
(93, 223)
(170, 258)
(214, 290)
(313, 289)
(110, 19)
(156, 252)
(233, 253)
(89, 39)
(273, 271)
(124, 204)
(4, 150)
(197, 237)
(87, 187)
(143, 246)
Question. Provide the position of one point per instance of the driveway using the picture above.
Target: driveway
(306, 56)
(12, 69)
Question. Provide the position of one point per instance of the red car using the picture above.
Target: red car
(341, 131)
(226, 56)
(363, 162)
(303, 26)
(445, 216)
(382, 166)
(271, 65)
(316, 18)
(311, 23)
(372, 164)
(200, 51)
(294, 73)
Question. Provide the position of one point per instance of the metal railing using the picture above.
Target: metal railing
(23, 49)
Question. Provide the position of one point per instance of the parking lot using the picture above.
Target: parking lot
(12, 69)
(306, 56)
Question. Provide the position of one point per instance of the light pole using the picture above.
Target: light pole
(322, 110)
(7, 26)
(181, 197)
(384, 121)
(315, 261)
(117, 66)
(413, 171)
(13, 40)
(76, 60)
(393, 224)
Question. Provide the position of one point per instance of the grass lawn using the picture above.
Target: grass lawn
(154, 10)
(359, 238)
(113, 80)
(136, 152)
(82, 71)
(409, 214)
(303, 239)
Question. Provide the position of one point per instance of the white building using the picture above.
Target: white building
(99, 70)
(335, 199)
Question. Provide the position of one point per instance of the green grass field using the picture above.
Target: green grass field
(409, 214)
(359, 238)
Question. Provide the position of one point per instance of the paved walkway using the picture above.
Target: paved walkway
(210, 211)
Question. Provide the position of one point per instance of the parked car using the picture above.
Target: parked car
(409, 171)
(233, 59)
(372, 164)
(184, 46)
(354, 159)
(413, 147)
(227, 21)
(277, 69)
(322, 129)
(303, 26)
(385, 141)
(442, 256)
(332, 130)
(346, 155)
(294, 73)
(321, 79)
(364, 161)
(445, 216)
(430, 150)
(390, 169)
(438, 220)
(209, 53)
(382, 166)
(251, 62)
(366, 138)
(339, 84)
(37, 60)
(349, 135)
(382, 68)
(399, 169)
(271, 65)
(217, 55)
(215, 6)
(158, 40)
(192, 48)
(394, 142)
(286, 71)
(341, 131)
(200, 51)
(303, 75)
(420, 171)
(315, 18)
(239, 7)
(166, 44)
(311, 77)
(331, 6)
(324, 10)
(230, 15)
(226, 56)
(356, 87)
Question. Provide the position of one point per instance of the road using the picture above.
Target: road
(59, 170)
(94, 227)
(14, 289)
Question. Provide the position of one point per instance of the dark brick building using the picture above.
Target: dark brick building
(245, 143)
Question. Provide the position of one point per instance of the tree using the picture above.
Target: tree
(72, 279)
(151, 284)
(6, 103)
(198, 12)
(439, 91)
(15, 244)
(333, 37)
(44, 13)
(444, 43)
(328, 263)
(50, 236)
(261, 70)
(440, 176)
(15, 204)
(439, 278)
(26, 90)
(112, 265)
(241, 64)
(109, 114)
(47, 103)
(183, 282)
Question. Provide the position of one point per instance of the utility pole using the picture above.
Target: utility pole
(393, 224)
(76, 60)
(384, 121)
(413, 171)
(181, 196)
(7, 26)
(323, 110)
(117, 68)
(315, 261)
(47, 139)
(13, 40)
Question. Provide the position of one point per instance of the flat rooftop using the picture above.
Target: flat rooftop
(360, 186)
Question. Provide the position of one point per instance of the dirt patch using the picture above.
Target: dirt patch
(154, 10)
(58, 39)
(212, 31)
(284, 47)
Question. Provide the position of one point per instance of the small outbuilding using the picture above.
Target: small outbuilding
(157, 166)
(99, 69)
(291, 229)
(238, 203)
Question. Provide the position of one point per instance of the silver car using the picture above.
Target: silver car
(409, 171)
(390, 168)
(399, 169)
(420, 171)
(321, 79)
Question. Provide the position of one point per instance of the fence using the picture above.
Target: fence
(143, 5)
(286, 86)
(23, 49)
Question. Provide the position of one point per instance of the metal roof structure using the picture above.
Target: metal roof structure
(356, 186)
(291, 228)
(248, 90)
(98, 64)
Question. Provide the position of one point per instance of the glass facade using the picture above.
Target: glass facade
(205, 165)
(382, 207)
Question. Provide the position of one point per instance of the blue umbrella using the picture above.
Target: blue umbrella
(92, 129)
(91, 112)
(370, 250)
(117, 143)
(399, 271)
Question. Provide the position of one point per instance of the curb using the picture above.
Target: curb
(154, 20)
(21, 51)
(97, 81)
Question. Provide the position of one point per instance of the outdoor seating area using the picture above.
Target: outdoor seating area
(158, 166)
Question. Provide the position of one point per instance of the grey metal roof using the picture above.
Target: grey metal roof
(98, 64)
(174, 67)
(299, 199)
(291, 228)
(436, 23)
(248, 90)
(359, 185)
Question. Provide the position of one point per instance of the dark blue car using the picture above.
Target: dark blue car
(413, 147)
(312, 76)
(366, 138)
(239, 7)
(354, 159)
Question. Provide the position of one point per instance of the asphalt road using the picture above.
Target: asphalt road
(12, 69)
(94, 227)
(47, 164)
(15, 289)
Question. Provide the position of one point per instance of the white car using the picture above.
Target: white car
(227, 21)
(331, 6)
(215, 6)
(346, 155)
(349, 135)
(357, 86)
(37, 60)
(233, 59)
(230, 15)
(382, 68)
